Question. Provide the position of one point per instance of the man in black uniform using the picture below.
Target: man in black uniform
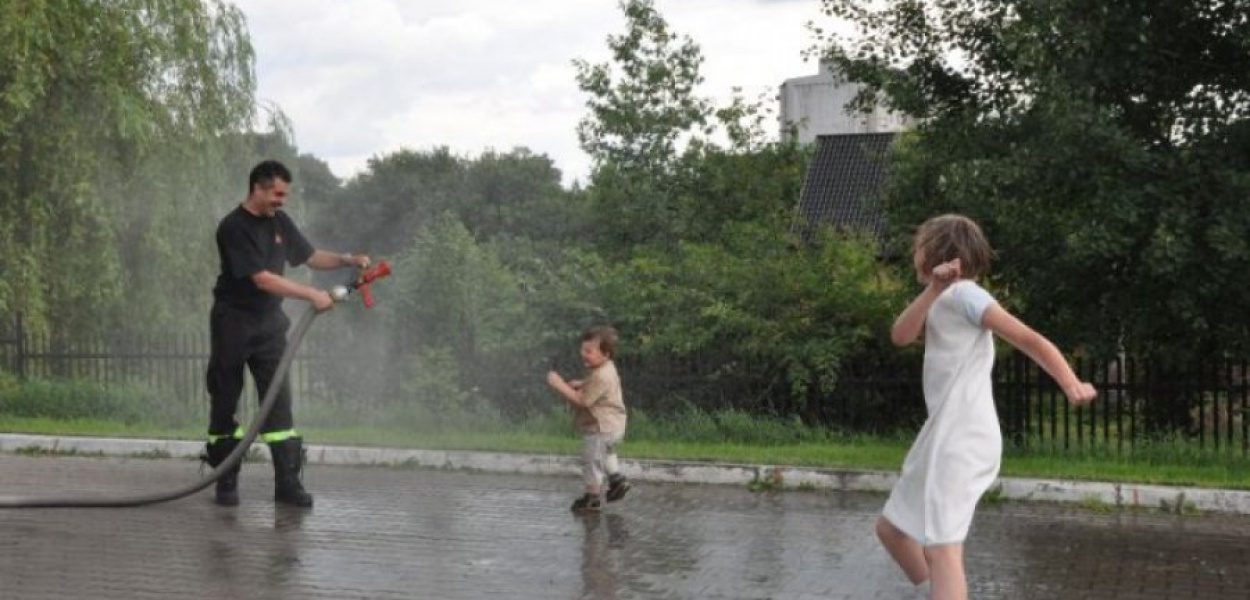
(248, 328)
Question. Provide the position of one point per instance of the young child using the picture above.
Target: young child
(599, 414)
(955, 457)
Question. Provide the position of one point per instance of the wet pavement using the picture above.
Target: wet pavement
(417, 533)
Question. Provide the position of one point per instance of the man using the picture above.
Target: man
(255, 242)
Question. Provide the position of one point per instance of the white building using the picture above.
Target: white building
(816, 105)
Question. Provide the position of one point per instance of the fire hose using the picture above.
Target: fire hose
(339, 293)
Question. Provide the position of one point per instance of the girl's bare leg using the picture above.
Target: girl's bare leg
(946, 566)
(908, 553)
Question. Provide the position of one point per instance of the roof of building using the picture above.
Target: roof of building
(843, 183)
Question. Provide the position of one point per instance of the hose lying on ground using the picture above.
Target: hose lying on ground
(233, 459)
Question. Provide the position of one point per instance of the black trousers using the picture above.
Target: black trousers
(246, 339)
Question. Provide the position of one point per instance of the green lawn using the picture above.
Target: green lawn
(1165, 464)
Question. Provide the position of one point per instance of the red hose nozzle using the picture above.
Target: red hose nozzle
(378, 271)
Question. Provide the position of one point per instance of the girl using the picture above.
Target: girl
(956, 454)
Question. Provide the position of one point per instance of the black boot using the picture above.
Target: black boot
(617, 486)
(587, 503)
(288, 460)
(228, 483)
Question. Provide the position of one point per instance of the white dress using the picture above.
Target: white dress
(956, 455)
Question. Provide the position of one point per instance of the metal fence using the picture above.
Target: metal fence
(1202, 407)
(171, 366)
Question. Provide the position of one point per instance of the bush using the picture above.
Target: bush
(69, 400)
(695, 425)
(8, 383)
(435, 396)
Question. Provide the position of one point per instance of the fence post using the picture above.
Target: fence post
(19, 333)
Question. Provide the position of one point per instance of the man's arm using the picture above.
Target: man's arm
(272, 283)
(325, 261)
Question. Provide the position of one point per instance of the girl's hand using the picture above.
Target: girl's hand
(945, 274)
(1081, 392)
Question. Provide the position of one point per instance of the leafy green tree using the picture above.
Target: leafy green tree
(457, 301)
(1103, 147)
(382, 209)
(669, 165)
(495, 194)
(458, 293)
(640, 110)
(775, 323)
(517, 193)
(111, 120)
(315, 183)
(719, 189)
(648, 130)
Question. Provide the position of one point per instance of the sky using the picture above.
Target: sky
(365, 78)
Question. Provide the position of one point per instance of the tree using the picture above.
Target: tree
(460, 316)
(517, 193)
(648, 127)
(112, 116)
(663, 153)
(639, 115)
(383, 208)
(1101, 146)
(379, 211)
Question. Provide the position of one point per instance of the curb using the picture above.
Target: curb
(1168, 498)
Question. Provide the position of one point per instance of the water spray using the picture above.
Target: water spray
(340, 293)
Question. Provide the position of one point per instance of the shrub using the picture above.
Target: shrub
(69, 400)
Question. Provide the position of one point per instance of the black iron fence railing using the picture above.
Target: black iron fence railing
(1204, 407)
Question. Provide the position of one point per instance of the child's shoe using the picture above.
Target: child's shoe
(617, 486)
(587, 503)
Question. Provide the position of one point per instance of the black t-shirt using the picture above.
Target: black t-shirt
(247, 245)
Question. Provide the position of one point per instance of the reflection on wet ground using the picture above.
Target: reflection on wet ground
(409, 533)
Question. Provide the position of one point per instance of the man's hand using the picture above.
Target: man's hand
(360, 261)
(322, 301)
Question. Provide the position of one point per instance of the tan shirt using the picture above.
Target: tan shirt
(602, 404)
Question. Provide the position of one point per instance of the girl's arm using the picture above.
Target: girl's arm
(910, 323)
(1041, 350)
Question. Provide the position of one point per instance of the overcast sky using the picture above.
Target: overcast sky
(363, 78)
